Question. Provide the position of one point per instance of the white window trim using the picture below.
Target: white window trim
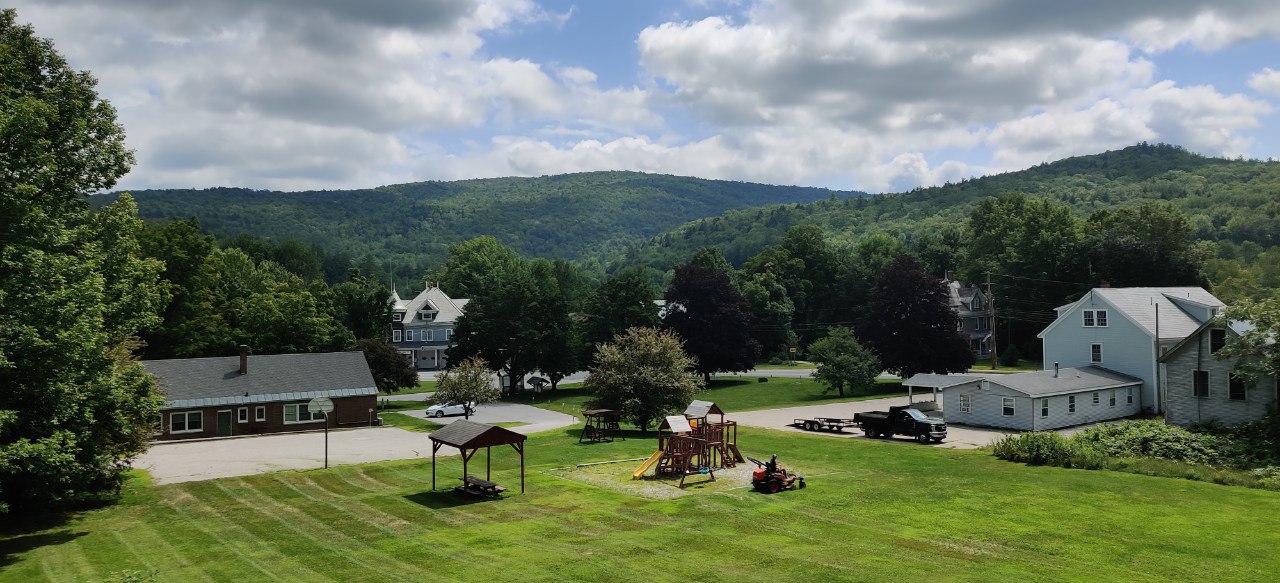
(395, 336)
(397, 317)
(1111, 398)
(1071, 404)
(260, 413)
(408, 335)
(447, 333)
(1097, 398)
(242, 415)
(1044, 408)
(1099, 318)
(1100, 355)
(966, 405)
(431, 336)
(284, 414)
(1013, 407)
(1128, 399)
(186, 421)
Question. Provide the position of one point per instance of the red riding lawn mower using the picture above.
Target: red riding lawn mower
(768, 477)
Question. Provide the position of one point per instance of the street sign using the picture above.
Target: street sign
(321, 405)
(793, 350)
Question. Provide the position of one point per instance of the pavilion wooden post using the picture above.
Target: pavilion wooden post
(488, 463)
(520, 449)
(435, 446)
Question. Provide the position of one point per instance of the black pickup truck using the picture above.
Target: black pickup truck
(902, 420)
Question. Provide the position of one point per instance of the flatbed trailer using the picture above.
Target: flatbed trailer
(836, 424)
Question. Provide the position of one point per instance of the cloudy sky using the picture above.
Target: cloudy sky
(870, 95)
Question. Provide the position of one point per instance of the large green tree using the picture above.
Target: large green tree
(1151, 244)
(471, 263)
(74, 291)
(622, 302)
(909, 323)
(503, 323)
(467, 384)
(642, 374)
(808, 268)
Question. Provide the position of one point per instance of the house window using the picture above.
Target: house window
(260, 413)
(981, 324)
(1071, 404)
(186, 422)
(964, 403)
(447, 332)
(242, 415)
(1200, 383)
(426, 315)
(395, 336)
(1235, 387)
(1095, 398)
(1044, 407)
(408, 335)
(396, 317)
(1095, 353)
(1095, 318)
(1111, 399)
(1006, 406)
(1128, 398)
(430, 335)
(298, 413)
(1217, 339)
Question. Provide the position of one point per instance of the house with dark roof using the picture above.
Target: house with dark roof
(974, 314)
(422, 327)
(256, 394)
(1126, 330)
(1200, 387)
(1043, 400)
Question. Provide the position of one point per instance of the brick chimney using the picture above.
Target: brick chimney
(1104, 283)
(244, 359)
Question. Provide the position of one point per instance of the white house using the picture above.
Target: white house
(422, 328)
(1043, 400)
(1200, 387)
(1126, 330)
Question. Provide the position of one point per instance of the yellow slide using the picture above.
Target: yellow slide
(644, 467)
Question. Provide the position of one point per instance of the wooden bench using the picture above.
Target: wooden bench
(478, 487)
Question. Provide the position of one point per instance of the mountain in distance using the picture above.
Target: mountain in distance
(408, 227)
(1232, 200)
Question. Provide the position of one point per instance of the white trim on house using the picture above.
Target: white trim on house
(296, 416)
(268, 398)
(242, 415)
(1095, 353)
(260, 413)
(1008, 404)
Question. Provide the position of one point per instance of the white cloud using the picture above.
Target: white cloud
(1266, 81)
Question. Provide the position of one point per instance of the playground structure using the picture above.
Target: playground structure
(602, 425)
(692, 444)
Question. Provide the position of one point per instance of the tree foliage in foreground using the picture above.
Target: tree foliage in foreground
(843, 362)
(74, 292)
(467, 384)
(643, 375)
(1257, 348)
(391, 372)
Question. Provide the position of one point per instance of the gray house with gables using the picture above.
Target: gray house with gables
(1043, 400)
(1200, 387)
(422, 327)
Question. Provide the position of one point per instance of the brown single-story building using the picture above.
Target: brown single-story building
(250, 395)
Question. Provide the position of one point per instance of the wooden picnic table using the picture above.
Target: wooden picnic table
(479, 487)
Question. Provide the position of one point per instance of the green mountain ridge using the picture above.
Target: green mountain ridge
(407, 228)
(1232, 200)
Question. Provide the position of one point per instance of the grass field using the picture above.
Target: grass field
(793, 365)
(873, 511)
(729, 392)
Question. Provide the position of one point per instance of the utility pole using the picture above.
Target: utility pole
(991, 305)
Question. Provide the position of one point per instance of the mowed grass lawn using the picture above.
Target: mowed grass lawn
(729, 392)
(874, 511)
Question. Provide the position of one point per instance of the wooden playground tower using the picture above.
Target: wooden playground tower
(692, 444)
(602, 425)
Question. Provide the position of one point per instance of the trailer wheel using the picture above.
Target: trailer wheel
(810, 426)
(923, 438)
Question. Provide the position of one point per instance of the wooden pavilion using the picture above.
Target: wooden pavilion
(470, 437)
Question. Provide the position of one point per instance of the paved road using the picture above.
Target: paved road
(186, 461)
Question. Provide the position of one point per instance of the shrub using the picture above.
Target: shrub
(1154, 438)
(1047, 449)
(1010, 356)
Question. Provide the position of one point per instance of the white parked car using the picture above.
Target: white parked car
(442, 410)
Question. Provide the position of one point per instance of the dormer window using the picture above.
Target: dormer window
(426, 315)
(1095, 318)
(397, 316)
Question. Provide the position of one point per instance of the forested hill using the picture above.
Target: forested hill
(408, 227)
(1234, 200)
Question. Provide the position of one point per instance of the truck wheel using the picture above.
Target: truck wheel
(923, 438)
(870, 433)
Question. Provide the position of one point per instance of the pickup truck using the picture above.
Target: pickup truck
(902, 420)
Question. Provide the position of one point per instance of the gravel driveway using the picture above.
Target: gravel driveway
(205, 459)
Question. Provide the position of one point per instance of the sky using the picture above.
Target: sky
(880, 96)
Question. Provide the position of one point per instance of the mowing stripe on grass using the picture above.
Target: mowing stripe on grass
(344, 506)
(232, 545)
(144, 534)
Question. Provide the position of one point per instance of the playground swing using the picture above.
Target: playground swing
(602, 425)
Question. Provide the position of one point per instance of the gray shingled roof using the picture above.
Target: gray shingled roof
(469, 434)
(938, 381)
(201, 382)
(1043, 383)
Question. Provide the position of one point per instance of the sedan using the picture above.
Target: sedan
(442, 410)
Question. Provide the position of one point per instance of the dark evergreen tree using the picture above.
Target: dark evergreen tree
(712, 319)
(909, 323)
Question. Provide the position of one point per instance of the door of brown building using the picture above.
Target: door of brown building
(224, 423)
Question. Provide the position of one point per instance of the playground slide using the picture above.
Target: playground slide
(737, 455)
(644, 467)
